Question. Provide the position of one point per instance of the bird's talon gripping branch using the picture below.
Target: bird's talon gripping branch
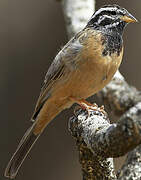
(87, 106)
(102, 110)
(96, 108)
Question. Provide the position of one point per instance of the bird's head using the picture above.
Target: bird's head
(111, 17)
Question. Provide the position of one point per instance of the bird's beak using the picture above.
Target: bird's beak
(128, 18)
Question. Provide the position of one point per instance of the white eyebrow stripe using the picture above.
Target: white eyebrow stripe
(105, 9)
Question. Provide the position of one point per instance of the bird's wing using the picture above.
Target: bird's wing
(64, 59)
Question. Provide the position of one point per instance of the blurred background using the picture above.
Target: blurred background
(31, 34)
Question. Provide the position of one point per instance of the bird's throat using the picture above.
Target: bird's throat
(112, 43)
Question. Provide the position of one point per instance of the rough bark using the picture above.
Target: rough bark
(99, 141)
(88, 131)
(132, 167)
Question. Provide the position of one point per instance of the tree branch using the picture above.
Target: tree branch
(132, 167)
(76, 14)
(119, 95)
(105, 139)
(88, 132)
(98, 140)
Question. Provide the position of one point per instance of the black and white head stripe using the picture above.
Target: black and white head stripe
(107, 16)
(110, 9)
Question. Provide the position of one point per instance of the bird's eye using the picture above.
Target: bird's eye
(113, 13)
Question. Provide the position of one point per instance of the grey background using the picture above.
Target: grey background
(31, 33)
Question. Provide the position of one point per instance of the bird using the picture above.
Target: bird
(82, 67)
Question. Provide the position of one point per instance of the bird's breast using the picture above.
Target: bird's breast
(93, 70)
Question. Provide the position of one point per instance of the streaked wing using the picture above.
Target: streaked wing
(64, 59)
(54, 73)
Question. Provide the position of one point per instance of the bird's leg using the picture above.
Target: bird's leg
(88, 106)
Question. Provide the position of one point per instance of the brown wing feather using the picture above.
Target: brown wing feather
(64, 59)
(46, 89)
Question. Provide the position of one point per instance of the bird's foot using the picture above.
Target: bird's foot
(89, 107)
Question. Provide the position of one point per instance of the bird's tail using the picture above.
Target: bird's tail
(23, 149)
(33, 133)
